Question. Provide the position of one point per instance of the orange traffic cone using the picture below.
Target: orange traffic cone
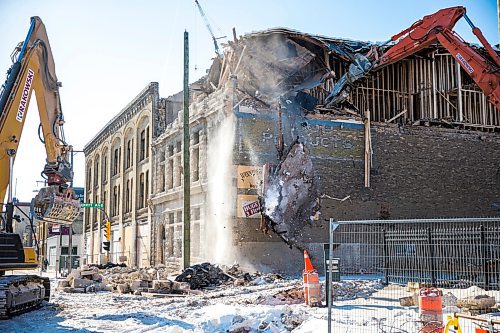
(307, 262)
(312, 291)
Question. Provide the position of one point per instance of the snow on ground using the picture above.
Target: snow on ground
(232, 309)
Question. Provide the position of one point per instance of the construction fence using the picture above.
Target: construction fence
(389, 268)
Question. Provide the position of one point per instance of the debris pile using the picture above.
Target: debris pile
(290, 296)
(209, 276)
(122, 280)
(159, 280)
(478, 304)
(352, 289)
(203, 276)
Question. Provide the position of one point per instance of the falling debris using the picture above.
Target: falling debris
(290, 198)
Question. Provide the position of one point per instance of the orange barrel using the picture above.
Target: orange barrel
(312, 290)
(431, 309)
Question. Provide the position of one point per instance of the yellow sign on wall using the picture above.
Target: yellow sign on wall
(249, 176)
(248, 206)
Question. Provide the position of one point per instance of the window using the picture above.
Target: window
(196, 214)
(179, 172)
(129, 153)
(195, 175)
(118, 201)
(196, 137)
(104, 197)
(127, 197)
(171, 218)
(140, 202)
(146, 189)
(116, 161)
(114, 211)
(170, 242)
(178, 147)
(89, 178)
(170, 150)
(147, 141)
(96, 172)
(162, 178)
(64, 250)
(105, 168)
(170, 179)
(142, 147)
(179, 216)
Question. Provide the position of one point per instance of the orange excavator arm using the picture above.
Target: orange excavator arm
(429, 30)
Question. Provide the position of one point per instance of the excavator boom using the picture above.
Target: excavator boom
(33, 69)
(437, 27)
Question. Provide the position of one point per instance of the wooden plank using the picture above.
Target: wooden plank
(396, 116)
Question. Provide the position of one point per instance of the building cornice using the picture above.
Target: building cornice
(148, 94)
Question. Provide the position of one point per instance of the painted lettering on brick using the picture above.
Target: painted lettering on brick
(23, 104)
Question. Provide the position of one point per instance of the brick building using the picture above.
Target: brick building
(433, 149)
(437, 156)
(118, 174)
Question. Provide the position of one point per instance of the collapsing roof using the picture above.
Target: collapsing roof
(280, 62)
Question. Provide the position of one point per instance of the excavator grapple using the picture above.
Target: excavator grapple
(54, 205)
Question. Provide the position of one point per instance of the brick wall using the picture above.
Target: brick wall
(418, 172)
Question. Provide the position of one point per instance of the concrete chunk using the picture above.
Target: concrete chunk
(81, 283)
(62, 284)
(136, 284)
(123, 288)
(180, 286)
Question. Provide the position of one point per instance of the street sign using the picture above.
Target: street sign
(92, 205)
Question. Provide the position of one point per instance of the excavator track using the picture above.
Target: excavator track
(22, 293)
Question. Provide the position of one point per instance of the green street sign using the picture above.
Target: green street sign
(92, 205)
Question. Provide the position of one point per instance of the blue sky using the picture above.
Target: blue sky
(107, 51)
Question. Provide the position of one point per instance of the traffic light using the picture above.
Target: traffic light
(105, 246)
(107, 230)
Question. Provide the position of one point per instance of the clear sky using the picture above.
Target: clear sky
(106, 52)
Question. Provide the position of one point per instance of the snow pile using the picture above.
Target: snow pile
(352, 289)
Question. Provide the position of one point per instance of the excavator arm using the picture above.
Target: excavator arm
(34, 69)
(432, 28)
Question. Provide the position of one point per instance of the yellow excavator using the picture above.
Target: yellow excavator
(32, 69)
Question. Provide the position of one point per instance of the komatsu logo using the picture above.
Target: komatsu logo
(23, 104)
(465, 63)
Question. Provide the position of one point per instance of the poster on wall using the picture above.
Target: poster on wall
(248, 206)
(249, 176)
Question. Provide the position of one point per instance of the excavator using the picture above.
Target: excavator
(32, 69)
(483, 68)
(289, 200)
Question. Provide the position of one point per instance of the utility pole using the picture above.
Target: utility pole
(187, 174)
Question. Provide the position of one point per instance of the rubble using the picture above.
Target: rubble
(352, 289)
(121, 279)
(478, 302)
(203, 276)
(290, 296)
(158, 280)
